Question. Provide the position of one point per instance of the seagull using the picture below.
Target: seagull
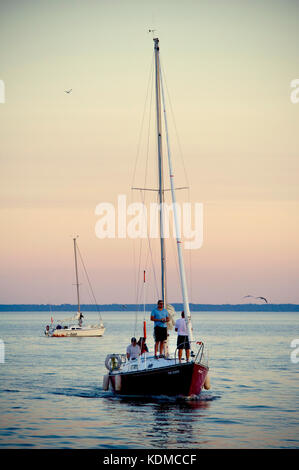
(262, 298)
(68, 91)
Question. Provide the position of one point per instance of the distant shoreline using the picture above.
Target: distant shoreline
(149, 307)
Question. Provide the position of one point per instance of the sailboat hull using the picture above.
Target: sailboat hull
(80, 332)
(180, 379)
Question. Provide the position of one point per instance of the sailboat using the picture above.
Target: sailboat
(163, 375)
(74, 326)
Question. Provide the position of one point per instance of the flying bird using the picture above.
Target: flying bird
(263, 298)
(254, 297)
(68, 91)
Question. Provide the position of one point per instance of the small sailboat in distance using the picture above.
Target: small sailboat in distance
(149, 374)
(74, 326)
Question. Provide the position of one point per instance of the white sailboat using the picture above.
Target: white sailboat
(149, 374)
(74, 326)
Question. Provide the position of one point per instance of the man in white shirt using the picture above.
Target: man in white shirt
(133, 350)
(183, 339)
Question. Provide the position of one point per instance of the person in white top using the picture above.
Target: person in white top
(183, 339)
(133, 350)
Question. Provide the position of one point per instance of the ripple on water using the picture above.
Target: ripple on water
(52, 395)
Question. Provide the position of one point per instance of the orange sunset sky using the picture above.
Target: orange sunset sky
(228, 66)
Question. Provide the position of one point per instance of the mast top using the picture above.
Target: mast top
(156, 41)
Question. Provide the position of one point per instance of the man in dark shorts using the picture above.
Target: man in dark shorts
(160, 318)
(183, 339)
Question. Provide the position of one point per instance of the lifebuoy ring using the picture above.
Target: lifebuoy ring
(113, 362)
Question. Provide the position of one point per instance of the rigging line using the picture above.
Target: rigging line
(140, 292)
(153, 263)
(143, 292)
(89, 283)
(134, 262)
(173, 245)
(143, 194)
(147, 156)
(153, 267)
(141, 240)
(190, 277)
(142, 121)
(149, 86)
(175, 126)
(190, 258)
(185, 170)
(139, 265)
(138, 279)
(88, 292)
(149, 132)
(146, 168)
(149, 252)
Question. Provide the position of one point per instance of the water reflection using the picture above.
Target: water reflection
(51, 395)
(168, 421)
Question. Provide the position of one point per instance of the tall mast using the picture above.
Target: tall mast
(160, 168)
(76, 269)
(177, 229)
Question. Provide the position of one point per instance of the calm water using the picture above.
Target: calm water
(51, 388)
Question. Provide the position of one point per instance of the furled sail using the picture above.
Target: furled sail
(171, 313)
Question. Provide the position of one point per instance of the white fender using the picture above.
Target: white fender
(106, 382)
(207, 384)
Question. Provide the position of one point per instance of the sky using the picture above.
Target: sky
(228, 67)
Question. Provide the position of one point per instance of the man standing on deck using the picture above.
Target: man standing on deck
(183, 339)
(160, 318)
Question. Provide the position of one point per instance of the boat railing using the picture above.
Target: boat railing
(200, 357)
(200, 353)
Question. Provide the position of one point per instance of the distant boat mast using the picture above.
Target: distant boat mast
(76, 270)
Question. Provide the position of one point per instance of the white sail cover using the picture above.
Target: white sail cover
(73, 318)
(171, 313)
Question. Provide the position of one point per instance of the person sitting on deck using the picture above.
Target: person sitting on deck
(133, 350)
(141, 342)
